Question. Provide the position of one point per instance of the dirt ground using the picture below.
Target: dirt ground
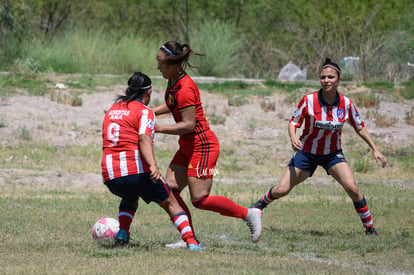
(65, 125)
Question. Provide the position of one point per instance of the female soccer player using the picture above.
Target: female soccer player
(195, 161)
(129, 168)
(324, 113)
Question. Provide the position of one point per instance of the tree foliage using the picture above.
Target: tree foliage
(272, 32)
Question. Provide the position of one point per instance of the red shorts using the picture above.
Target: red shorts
(199, 155)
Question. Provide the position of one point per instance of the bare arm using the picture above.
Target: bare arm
(145, 144)
(296, 143)
(161, 109)
(363, 133)
(183, 127)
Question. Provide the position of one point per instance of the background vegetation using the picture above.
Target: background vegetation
(238, 37)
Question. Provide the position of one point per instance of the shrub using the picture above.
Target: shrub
(219, 43)
(409, 117)
(408, 91)
(365, 99)
(381, 120)
(267, 105)
(237, 101)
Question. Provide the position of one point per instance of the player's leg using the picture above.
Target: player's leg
(127, 206)
(180, 220)
(177, 179)
(201, 199)
(343, 174)
(126, 213)
(300, 167)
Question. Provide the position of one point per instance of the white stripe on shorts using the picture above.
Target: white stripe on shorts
(123, 164)
(109, 166)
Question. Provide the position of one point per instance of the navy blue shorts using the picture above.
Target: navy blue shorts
(309, 162)
(135, 186)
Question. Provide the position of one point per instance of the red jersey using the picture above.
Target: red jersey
(121, 127)
(184, 95)
(323, 122)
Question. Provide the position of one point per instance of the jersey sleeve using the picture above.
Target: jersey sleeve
(299, 113)
(186, 98)
(354, 118)
(147, 123)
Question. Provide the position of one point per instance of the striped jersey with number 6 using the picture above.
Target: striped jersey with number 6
(121, 127)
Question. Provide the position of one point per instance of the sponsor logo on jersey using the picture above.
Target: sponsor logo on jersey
(328, 125)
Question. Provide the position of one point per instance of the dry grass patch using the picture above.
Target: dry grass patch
(381, 120)
(409, 117)
(64, 97)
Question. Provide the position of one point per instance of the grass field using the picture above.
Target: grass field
(314, 230)
(46, 227)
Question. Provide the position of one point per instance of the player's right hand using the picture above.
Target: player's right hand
(296, 144)
(155, 173)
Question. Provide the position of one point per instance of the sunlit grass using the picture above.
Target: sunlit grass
(43, 157)
(303, 233)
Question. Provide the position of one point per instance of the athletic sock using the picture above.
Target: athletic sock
(362, 209)
(184, 207)
(182, 224)
(125, 218)
(267, 197)
(222, 205)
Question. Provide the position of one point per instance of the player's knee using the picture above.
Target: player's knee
(281, 191)
(198, 203)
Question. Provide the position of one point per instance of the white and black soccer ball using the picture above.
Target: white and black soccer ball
(105, 229)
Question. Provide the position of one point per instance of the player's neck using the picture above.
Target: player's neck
(329, 97)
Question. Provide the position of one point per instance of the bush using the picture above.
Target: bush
(408, 91)
(219, 43)
(95, 52)
(15, 29)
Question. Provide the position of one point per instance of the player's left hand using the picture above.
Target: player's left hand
(380, 158)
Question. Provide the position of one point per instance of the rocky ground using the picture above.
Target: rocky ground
(63, 125)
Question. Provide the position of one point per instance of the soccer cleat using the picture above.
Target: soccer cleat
(254, 222)
(370, 231)
(259, 205)
(121, 237)
(194, 247)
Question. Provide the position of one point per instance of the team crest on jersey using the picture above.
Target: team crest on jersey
(171, 100)
(340, 113)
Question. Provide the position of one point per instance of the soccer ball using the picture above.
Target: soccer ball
(105, 229)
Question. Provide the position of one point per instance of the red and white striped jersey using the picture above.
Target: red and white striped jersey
(323, 122)
(121, 127)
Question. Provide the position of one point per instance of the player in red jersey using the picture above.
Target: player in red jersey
(323, 114)
(129, 168)
(194, 164)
